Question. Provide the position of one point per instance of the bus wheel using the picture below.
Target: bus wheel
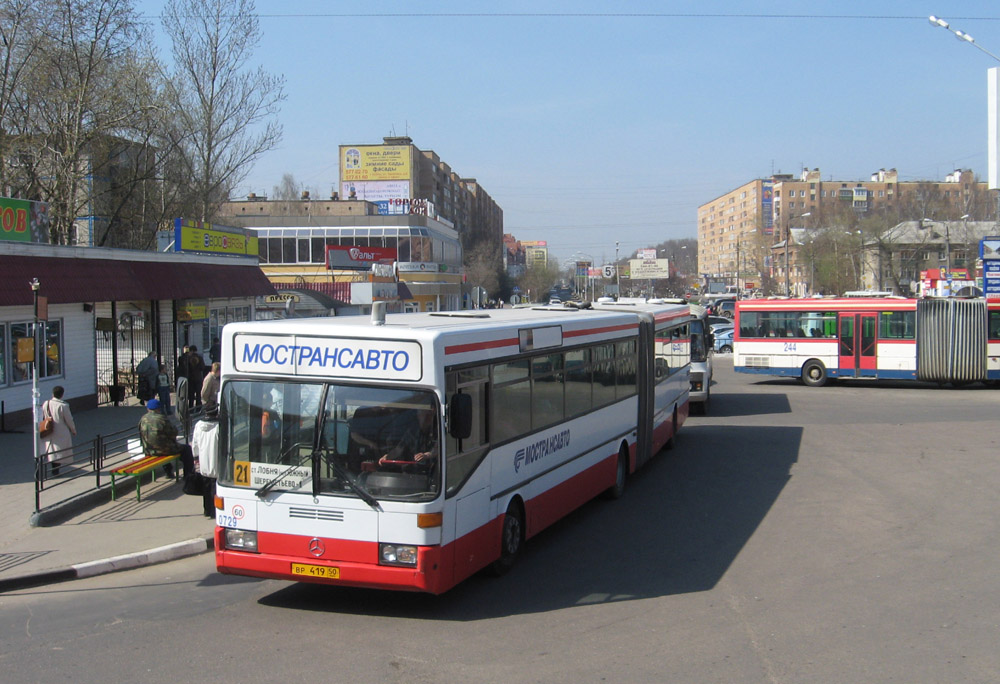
(511, 539)
(616, 490)
(814, 373)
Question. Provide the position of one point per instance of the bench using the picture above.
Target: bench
(139, 467)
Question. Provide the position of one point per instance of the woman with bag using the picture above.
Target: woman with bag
(59, 442)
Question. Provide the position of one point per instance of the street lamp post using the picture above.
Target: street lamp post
(961, 35)
(618, 269)
(966, 38)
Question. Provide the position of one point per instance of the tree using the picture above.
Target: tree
(75, 88)
(226, 113)
(288, 190)
(537, 281)
(22, 27)
(482, 268)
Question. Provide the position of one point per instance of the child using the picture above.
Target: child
(163, 389)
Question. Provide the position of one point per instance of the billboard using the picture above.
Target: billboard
(767, 206)
(24, 221)
(375, 163)
(375, 191)
(395, 207)
(649, 269)
(195, 236)
(355, 258)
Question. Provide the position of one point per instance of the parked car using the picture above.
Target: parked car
(718, 320)
(724, 341)
(716, 328)
(724, 307)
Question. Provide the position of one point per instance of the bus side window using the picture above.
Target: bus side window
(464, 455)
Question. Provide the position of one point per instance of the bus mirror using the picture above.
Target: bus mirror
(460, 416)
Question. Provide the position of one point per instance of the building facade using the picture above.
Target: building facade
(330, 246)
(743, 234)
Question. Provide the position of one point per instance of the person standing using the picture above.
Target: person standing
(59, 443)
(146, 373)
(163, 389)
(181, 371)
(196, 376)
(215, 351)
(210, 388)
(205, 445)
(159, 438)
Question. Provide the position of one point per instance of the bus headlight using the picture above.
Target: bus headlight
(244, 540)
(397, 554)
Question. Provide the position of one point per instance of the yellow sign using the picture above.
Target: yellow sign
(192, 312)
(281, 298)
(241, 473)
(25, 349)
(194, 236)
(374, 162)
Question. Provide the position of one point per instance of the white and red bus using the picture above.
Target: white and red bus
(935, 340)
(325, 477)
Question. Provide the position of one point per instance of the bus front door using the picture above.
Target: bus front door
(857, 345)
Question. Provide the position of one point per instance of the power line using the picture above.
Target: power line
(595, 15)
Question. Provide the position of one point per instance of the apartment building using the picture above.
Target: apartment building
(742, 233)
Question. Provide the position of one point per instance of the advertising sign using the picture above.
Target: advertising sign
(649, 269)
(767, 206)
(374, 162)
(376, 191)
(357, 258)
(991, 278)
(989, 248)
(192, 311)
(405, 205)
(24, 221)
(195, 236)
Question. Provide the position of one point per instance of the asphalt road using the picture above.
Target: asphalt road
(839, 534)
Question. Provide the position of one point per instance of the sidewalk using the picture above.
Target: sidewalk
(98, 537)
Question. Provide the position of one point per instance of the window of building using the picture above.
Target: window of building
(49, 356)
(288, 250)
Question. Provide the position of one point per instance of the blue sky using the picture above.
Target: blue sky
(617, 125)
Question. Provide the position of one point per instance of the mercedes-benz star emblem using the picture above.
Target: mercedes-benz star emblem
(316, 547)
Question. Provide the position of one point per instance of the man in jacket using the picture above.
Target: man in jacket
(210, 388)
(159, 437)
(148, 370)
(205, 444)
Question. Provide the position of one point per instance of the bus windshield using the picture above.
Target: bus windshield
(344, 440)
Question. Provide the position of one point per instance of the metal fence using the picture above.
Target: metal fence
(87, 466)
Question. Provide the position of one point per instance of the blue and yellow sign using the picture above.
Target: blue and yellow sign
(195, 236)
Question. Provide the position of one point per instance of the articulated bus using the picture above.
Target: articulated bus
(934, 340)
(327, 476)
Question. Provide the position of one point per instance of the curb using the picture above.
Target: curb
(129, 561)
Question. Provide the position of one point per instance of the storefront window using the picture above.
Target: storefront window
(50, 361)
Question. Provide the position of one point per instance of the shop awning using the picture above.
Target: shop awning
(68, 280)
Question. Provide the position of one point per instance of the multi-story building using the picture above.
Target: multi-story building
(396, 174)
(742, 235)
